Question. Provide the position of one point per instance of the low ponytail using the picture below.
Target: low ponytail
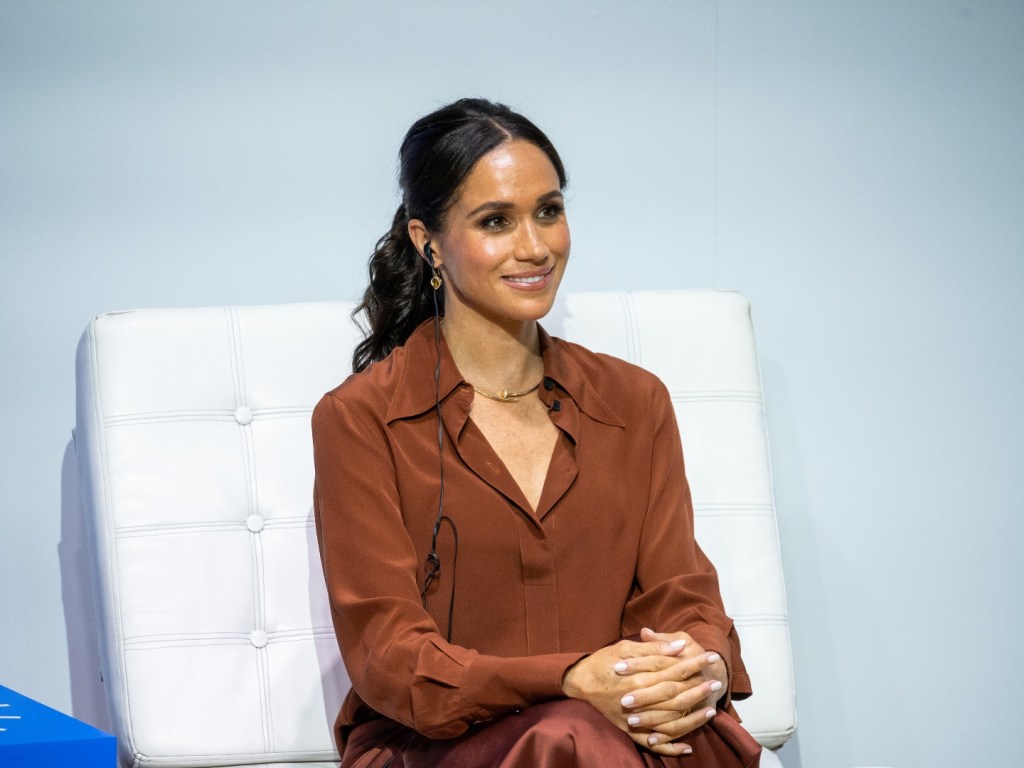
(398, 297)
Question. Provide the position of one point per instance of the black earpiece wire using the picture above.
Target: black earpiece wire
(433, 562)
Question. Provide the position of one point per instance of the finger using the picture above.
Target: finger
(675, 729)
(697, 692)
(646, 659)
(639, 665)
(670, 749)
(645, 698)
(696, 698)
(671, 647)
(666, 643)
(654, 687)
(648, 635)
(644, 664)
(650, 719)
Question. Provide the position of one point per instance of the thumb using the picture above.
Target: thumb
(667, 644)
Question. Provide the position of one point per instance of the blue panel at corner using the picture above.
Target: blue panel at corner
(35, 736)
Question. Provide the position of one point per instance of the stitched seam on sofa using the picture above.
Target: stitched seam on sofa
(223, 526)
(208, 414)
(760, 619)
(729, 509)
(185, 639)
(632, 328)
(717, 395)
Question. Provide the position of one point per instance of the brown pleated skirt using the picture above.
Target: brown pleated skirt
(556, 734)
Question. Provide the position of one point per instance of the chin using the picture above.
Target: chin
(508, 305)
(533, 309)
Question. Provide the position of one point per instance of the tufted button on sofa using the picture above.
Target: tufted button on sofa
(195, 464)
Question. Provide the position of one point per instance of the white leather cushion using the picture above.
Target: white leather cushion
(196, 464)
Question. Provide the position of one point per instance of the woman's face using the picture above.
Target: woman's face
(506, 239)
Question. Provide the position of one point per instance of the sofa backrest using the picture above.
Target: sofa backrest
(195, 463)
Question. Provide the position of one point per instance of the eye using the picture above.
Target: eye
(494, 223)
(551, 211)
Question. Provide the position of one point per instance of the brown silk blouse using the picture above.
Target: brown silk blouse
(609, 550)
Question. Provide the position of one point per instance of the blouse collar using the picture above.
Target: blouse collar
(417, 358)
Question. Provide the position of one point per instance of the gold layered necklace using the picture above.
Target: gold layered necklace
(504, 396)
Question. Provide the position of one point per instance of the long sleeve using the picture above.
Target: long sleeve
(676, 585)
(399, 663)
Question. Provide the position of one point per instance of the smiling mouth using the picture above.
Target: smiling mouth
(529, 280)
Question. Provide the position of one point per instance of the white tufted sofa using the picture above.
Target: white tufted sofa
(195, 463)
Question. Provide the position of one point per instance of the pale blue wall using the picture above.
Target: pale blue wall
(856, 169)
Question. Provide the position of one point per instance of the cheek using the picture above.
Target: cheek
(559, 240)
(469, 257)
(489, 252)
(483, 253)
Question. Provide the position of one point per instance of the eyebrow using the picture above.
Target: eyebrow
(503, 205)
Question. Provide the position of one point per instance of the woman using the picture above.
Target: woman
(504, 521)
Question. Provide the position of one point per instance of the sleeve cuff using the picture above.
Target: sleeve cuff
(498, 685)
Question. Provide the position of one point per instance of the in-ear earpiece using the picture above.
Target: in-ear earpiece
(432, 566)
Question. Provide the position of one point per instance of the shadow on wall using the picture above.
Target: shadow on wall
(800, 536)
(789, 753)
(88, 701)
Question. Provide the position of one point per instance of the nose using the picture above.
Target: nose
(531, 245)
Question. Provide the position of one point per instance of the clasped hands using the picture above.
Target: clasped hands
(656, 690)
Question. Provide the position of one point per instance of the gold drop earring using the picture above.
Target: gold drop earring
(435, 281)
